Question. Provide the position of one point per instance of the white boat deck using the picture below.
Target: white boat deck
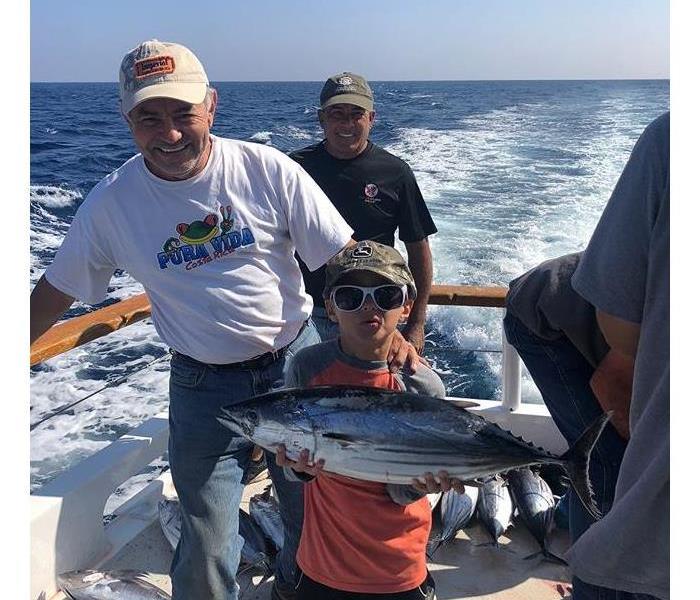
(67, 532)
(468, 567)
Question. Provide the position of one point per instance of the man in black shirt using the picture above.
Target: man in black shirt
(374, 191)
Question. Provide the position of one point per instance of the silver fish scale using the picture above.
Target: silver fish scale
(388, 437)
(534, 500)
(109, 585)
(495, 506)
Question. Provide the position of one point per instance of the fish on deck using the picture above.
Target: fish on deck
(535, 503)
(108, 585)
(494, 507)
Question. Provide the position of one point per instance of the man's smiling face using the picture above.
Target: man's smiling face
(346, 128)
(173, 136)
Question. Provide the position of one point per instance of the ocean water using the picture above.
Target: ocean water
(512, 172)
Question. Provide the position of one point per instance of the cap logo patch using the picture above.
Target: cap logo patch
(345, 80)
(362, 252)
(371, 190)
(154, 65)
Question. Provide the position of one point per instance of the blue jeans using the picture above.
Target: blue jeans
(327, 329)
(208, 461)
(562, 375)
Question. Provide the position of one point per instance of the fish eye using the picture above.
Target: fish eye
(251, 416)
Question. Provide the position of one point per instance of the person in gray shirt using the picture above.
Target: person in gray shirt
(556, 334)
(624, 273)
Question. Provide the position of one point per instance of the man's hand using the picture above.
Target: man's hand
(301, 465)
(443, 484)
(414, 333)
(611, 384)
(402, 353)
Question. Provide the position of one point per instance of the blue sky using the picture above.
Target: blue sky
(273, 40)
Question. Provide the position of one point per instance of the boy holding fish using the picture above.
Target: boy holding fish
(363, 537)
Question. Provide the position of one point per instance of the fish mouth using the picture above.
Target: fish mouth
(242, 422)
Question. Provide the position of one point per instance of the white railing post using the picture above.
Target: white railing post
(511, 374)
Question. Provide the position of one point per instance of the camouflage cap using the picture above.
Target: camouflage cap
(373, 257)
(347, 88)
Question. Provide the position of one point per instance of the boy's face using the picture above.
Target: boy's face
(370, 324)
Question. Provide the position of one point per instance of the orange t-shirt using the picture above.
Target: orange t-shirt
(355, 537)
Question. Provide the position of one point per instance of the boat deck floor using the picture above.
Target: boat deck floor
(468, 567)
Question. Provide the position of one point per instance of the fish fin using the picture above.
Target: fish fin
(344, 439)
(577, 459)
(553, 558)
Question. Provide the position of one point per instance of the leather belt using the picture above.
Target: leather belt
(257, 362)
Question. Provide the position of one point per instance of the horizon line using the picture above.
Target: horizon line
(397, 80)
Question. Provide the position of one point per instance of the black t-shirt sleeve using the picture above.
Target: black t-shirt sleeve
(415, 222)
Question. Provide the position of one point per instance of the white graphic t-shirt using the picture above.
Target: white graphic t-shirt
(215, 253)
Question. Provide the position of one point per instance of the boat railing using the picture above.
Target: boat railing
(67, 528)
(91, 326)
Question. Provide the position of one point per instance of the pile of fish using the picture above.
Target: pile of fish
(496, 501)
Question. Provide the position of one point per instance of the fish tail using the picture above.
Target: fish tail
(577, 459)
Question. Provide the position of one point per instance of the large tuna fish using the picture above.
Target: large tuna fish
(394, 437)
(535, 503)
(495, 507)
(109, 585)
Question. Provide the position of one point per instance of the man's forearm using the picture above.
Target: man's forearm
(46, 305)
(620, 335)
(611, 384)
(420, 261)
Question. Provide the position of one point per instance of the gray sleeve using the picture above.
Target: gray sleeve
(292, 475)
(612, 272)
(403, 494)
(544, 301)
(308, 363)
(424, 381)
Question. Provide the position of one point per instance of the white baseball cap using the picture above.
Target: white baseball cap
(161, 70)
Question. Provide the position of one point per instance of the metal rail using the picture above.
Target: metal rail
(89, 327)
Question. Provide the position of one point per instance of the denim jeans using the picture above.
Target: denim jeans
(208, 461)
(327, 329)
(562, 375)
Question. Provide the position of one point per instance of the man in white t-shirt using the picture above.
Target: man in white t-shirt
(209, 226)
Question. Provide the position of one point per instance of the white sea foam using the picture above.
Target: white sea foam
(52, 196)
(262, 137)
(296, 133)
(539, 197)
(94, 423)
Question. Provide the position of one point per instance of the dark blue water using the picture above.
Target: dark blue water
(513, 173)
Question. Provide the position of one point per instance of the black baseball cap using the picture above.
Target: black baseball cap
(347, 88)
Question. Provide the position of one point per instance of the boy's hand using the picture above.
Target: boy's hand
(301, 465)
(402, 353)
(443, 484)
